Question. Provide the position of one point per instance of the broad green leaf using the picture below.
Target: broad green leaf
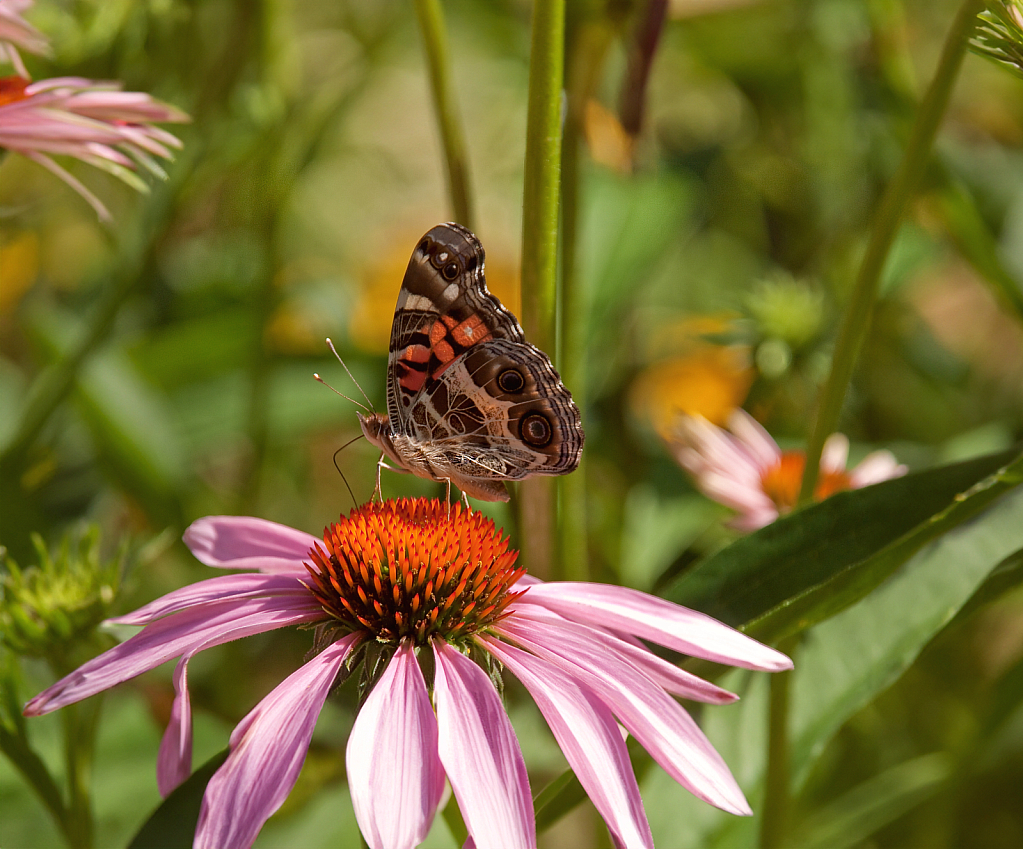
(840, 666)
(172, 824)
(858, 580)
(806, 550)
(845, 662)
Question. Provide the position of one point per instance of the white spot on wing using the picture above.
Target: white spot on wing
(450, 293)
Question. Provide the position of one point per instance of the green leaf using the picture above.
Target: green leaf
(840, 666)
(845, 662)
(172, 824)
(859, 579)
(804, 552)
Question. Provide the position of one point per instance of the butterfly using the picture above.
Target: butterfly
(469, 401)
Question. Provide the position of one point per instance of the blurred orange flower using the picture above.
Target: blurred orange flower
(704, 379)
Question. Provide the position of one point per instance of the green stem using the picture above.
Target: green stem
(588, 43)
(80, 723)
(540, 197)
(435, 42)
(774, 819)
(32, 768)
(886, 225)
(540, 202)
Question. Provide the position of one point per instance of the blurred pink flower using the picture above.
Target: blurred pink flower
(406, 578)
(92, 121)
(746, 470)
(16, 32)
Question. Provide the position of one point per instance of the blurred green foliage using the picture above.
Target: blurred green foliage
(182, 342)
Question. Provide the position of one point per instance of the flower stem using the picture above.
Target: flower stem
(886, 225)
(774, 821)
(80, 723)
(540, 203)
(17, 749)
(587, 45)
(435, 42)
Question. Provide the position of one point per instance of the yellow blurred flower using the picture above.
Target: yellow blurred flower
(19, 267)
(606, 138)
(708, 381)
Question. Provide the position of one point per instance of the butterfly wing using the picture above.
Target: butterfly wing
(479, 403)
(500, 412)
(443, 310)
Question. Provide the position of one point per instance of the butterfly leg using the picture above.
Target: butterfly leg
(378, 492)
(465, 501)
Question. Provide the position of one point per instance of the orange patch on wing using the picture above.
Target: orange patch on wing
(470, 332)
(441, 348)
(412, 380)
(416, 354)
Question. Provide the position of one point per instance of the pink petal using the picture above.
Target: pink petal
(753, 520)
(170, 637)
(216, 589)
(835, 453)
(589, 736)
(481, 754)
(244, 542)
(268, 748)
(394, 772)
(656, 720)
(666, 675)
(633, 612)
(876, 467)
(757, 440)
(744, 496)
(174, 762)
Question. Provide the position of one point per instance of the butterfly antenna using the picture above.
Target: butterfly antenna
(336, 466)
(319, 379)
(352, 376)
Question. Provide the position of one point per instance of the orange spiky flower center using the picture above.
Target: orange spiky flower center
(781, 482)
(413, 569)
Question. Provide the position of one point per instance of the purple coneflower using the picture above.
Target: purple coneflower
(92, 121)
(746, 470)
(407, 578)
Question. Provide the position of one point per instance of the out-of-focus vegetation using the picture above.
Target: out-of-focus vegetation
(722, 211)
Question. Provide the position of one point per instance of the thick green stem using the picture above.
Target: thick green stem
(886, 225)
(80, 724)
(588, 43)
(435, 42)
(540, 198)
(34, 770)
(774, 819)
(540, 204)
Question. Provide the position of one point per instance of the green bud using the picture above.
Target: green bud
(48, 609)
(786, 309)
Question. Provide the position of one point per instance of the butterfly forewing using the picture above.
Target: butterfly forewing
(469, 400)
